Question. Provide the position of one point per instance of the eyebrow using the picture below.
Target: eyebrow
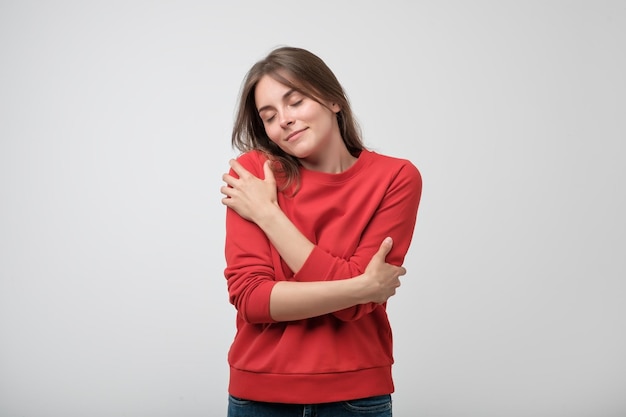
(285, 96)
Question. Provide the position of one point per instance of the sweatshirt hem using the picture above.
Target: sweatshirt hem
(310, 388)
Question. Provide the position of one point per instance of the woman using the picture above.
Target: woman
(317, 228)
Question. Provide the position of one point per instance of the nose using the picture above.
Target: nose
(285, 120)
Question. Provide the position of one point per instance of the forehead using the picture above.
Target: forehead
(269, 90)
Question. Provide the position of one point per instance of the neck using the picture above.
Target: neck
(334, 163)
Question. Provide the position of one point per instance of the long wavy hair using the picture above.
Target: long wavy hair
(306, 73)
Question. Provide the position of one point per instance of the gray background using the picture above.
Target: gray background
(115, 120)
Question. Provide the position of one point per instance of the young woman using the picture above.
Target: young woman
(317, 228)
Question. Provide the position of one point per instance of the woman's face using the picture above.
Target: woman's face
(299, 125)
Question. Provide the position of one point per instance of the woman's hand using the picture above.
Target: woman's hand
(249, 196)
(382, 279)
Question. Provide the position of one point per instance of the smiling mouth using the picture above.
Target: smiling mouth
(288, 138)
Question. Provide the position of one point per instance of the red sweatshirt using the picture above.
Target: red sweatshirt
(334, 357)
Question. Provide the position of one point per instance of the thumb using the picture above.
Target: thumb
(267, 171)
(385, 247)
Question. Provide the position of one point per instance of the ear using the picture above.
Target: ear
(335, 107)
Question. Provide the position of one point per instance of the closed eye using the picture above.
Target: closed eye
(266, 118)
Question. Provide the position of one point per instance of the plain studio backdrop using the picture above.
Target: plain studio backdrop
(115, 121)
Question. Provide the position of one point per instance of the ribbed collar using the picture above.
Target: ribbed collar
(362, 161)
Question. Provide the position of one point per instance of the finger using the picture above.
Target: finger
(229, 179)
(384, 248)
(267, 171)
(227, 191)
(238, 168)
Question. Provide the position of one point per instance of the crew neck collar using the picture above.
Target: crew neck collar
(326, 177)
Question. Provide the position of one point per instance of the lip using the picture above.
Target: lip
(293, 135)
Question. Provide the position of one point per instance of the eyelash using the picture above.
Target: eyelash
(294, 104)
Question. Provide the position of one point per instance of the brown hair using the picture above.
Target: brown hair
(305, 72)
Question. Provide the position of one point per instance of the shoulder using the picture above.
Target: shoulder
(403, 179)
(253, 161)
(395, 166)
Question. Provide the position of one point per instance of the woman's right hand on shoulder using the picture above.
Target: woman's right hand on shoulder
(249, 196)
(382, 279)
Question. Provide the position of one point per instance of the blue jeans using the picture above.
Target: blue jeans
(379, 406)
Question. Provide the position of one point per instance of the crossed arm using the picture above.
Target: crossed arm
(255, 200)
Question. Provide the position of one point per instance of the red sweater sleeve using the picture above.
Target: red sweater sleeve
(395, 216)
(249, 272)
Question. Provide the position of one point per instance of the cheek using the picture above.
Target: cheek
(273, 134)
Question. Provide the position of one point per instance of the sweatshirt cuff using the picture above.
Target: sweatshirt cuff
(258, 304)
